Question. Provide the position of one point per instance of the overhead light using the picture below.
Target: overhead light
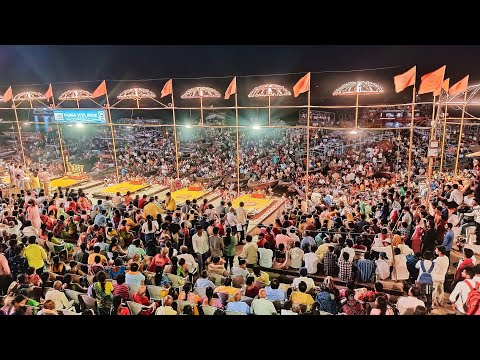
(353, 132)
(26, 123)
(79, 125)
(188, 126)
(256, 127)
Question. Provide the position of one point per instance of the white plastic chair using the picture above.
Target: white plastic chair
(209, 310)
(231, 312)
(156, 292)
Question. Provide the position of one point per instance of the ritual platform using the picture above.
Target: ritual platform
(132, 186)
(254, 205)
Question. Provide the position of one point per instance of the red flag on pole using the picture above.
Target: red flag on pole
(232, 88)
(459, 87)
(432, 82)
(8, 95)
(405, 80)
(167, 88)
(100, 90)
(302, 85)
(445, 86)
(49, 92)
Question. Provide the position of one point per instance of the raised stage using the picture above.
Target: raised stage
(254, 205)
(182, 195)
(132, 186)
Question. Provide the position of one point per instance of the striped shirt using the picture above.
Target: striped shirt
(366, 269)
(121, 290)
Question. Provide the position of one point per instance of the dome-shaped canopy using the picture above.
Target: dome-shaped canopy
(200, 92)
(359, 88)
(269, 90)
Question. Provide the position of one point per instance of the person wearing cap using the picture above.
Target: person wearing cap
(383, 266)
(303, 277)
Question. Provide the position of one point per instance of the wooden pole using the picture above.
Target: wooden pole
(460, 134)
(175, 135)
(430, 159)
(308, 148)
(269, 110)
(60, 139)
(238, 143)
(19, 135)
(443, 137)
(113, 137)
(201, 110)
(356, 113)
(412, 123)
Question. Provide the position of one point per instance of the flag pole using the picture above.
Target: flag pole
(269, 110)
(113, 134)
(443, 136)
(238, 141)
(460, 134)
(308, 146)
(19, 134)
(201, 110)
(433, 118)
(356, 112)
(409, 169)
(175, 134)
(60, 140)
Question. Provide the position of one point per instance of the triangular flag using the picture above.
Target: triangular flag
(445, 85)
(405, 80)
(100, 90)
(232, 88)
(432, 82)
(49, 92)
(8, 95)
(459, 87)
(167, 88)
(302, 85)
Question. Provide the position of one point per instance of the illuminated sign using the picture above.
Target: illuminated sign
(79, 116)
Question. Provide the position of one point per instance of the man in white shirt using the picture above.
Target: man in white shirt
(292, 234)
(411, 301)
(349, 249)
(200, 245)
(262, 306)
(438, 275)
(311, 260)
(303, 277)
(242, 219)
(241, 269)
(265, 256)
(59, 298)
(117, 199)
(459, 295)
(295, 255)
(44, 177)
(456, 195)
(475, 213)
(189, 259)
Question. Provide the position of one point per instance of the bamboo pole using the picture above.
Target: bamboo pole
(412, 123)
(238, 143)
(269, 109)
(60, 141)
(19, 134)
(308, 149)
(175, 134)
(443, 137)
(356, 112)
(460, 134)
(113, 136)
(201, 110)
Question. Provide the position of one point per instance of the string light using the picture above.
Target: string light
(75, 94)
(28, 95)
(200, 92)
(359, 88)
(269, 90)
(136, 94)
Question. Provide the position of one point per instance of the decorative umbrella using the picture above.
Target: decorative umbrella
(200, 92)
(269, 90)
(75, 95)
(136, 94)
(358, 88)
(28, 96)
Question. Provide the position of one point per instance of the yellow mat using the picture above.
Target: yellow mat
(6, 179)
(63, 182)
(182, 195)
(122, 187)
(252, 204)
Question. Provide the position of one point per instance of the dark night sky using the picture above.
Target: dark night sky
(49, 63)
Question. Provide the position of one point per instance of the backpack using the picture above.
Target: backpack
(472, 305)
(327, 303)
(426, 277)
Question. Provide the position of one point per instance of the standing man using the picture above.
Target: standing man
(44, 177)
(448, 239)
(438, 275)
(242, 219)
(459, 295)
(200, 245)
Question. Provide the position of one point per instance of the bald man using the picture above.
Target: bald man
(262, 306)
(59, 298)
(238, 305)
(167, 308)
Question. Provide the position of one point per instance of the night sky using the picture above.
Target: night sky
(43, 64)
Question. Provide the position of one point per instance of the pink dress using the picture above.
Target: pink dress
(34, 216)
(417, 239)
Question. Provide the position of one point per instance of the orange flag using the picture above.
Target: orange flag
(302, 85)
(8, 95)
(167, 88)
(405, 80)
(100, 90)
(432, 82)
(459, 87)
(445, 85)
(232, 88)
(49, 92)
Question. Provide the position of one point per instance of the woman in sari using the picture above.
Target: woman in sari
(103, 292)
(33, 214)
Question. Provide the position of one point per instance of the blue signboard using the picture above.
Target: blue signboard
(79, 116)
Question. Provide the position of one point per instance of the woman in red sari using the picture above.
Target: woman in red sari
(417, 237)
